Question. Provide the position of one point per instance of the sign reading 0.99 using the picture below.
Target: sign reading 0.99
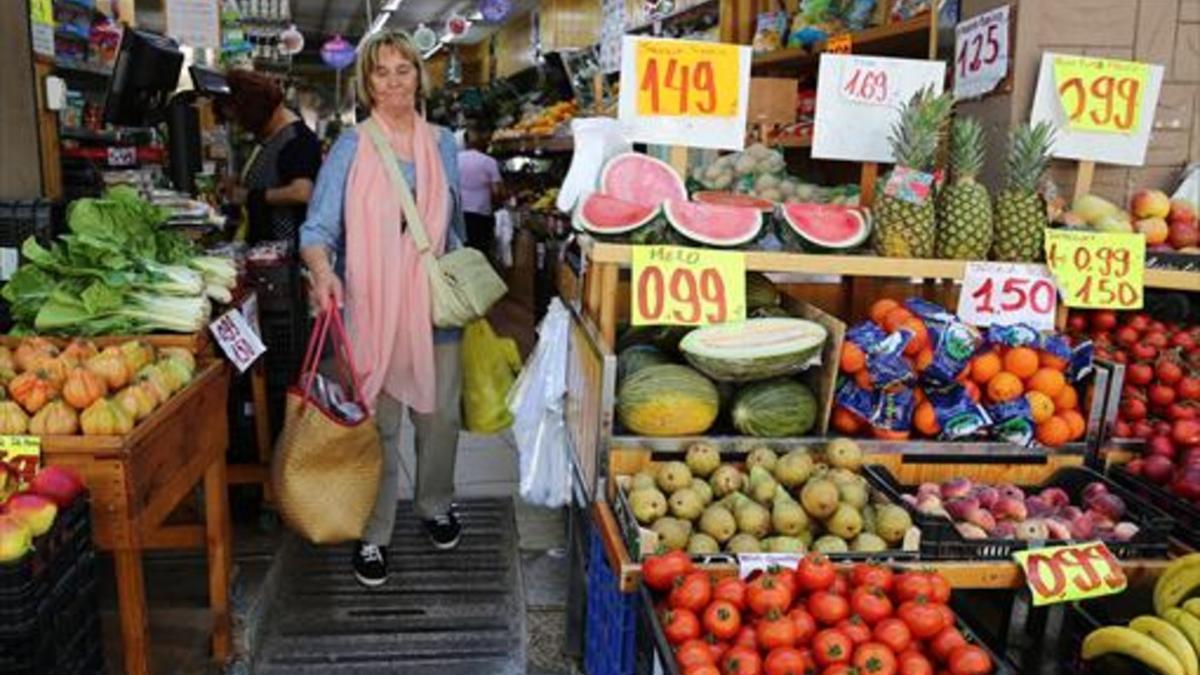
(1101, 94)
(678, 286)
(1098, 270)
(1064, 573)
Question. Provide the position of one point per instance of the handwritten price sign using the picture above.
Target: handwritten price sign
(981, 44)
(1098, 270)
(1066, 573)
(678, 286)
(1101, 94)
(1005, 294)
(22, 453)
(237, 339)
(867, 81)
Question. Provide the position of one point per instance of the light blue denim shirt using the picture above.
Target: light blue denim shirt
(325, 224)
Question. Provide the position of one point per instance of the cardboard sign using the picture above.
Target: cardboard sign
(1067, 573)
(858, 101)
(678, 286)
(122, 156)
(237, 339)
(23, 453)
(41, 26)
(1004, 293)
(749, 563)
(981, 48)
(1102, 109)
(1098, 270)
(683, 92)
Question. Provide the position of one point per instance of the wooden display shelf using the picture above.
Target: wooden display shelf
(909, 37)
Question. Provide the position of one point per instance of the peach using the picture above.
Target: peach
(37, 511)
(1182, 211)
(1155, 229)
(1150, 204)
(15, 538)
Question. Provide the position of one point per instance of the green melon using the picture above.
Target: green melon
(634, 358)
(774, 409)
(760, 292)
(755, 349)
(667, 400)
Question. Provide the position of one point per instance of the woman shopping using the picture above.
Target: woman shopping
(360, 253)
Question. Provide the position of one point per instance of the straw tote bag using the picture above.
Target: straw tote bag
(326, 470)
(462, 284)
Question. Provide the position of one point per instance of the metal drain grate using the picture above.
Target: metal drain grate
(443, 613)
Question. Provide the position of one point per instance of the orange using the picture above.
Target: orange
(880, 309)
(863, 379)
(1048, 360)
(1054, 432)
(919, 396)
(893, 319)
(1040, 405)
(920, 338)
(925, 420)
(973, 391)
(845, 421)
(985, 366)
(853, 358)
(889, 435)
(1067, 399)
(1076, 423)
(1021, 361)
(924, 359)
(1048, 381)
(1004, 387)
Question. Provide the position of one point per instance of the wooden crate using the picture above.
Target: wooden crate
(198, 343)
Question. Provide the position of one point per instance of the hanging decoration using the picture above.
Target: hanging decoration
(495, 11)
(337, 53)
(457, 26)
(656, 9)
(291, 41)
(424, 38)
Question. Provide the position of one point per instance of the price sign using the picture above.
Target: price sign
(678, 286)
(1098, 270)
(867, 82)
(687, 92)
(749, 563)
(839, 44)
(1066, 573)
(122, 156)
(981, 46)
(22, 453)
(1002, 293)
(238, 340)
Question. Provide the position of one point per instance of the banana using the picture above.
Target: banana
(1192, 605)
(1121, 640)
(1180, 578)
(1186, 623)
(1170, 637)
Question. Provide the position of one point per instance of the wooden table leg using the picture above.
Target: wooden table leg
(220, 556)
(131, 603)
(262, 422)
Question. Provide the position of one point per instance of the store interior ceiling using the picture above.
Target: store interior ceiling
(349, 17)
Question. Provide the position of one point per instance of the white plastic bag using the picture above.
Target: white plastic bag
(537, 400)
(504, 235)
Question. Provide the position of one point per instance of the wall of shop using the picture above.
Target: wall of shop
(514, 45)
(18, 106)
(569, 24)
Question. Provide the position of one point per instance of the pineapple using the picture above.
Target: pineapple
(1021, 217)
(964, 207)
(904, 229)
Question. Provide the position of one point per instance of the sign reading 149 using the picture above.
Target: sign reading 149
(687, 78)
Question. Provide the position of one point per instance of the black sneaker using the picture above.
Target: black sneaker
(444, 531)
(370, 564)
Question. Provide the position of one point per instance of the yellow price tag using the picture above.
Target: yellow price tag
(1101, 94)
(23, 453)
(678, 286)
(41, 11)
(1066, 573)
(686, 78)
(1098, 270)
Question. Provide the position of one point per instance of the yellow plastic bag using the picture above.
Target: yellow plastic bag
(490, 365)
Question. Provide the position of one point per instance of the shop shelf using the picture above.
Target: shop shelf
(69, 67)
(1185, 514)
(691, 9)
(611, 618)
(909, 36)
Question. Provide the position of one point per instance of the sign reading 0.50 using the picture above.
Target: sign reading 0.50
(682, 78)
(678, 286)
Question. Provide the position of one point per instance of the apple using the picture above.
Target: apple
(37, 511)
(1150, 204)
(15, 538)
(1183, 234)
(1181, 211)
(58, 484)
(1155, 229)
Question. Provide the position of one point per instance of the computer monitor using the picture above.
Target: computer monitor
(209, 82)
(146, 73)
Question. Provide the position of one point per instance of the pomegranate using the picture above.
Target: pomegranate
(58, 484)
(1183, 341)
(1142, 429)
(37, 511)
(1122, 429)
(1179, 411)
(1161, 445)
(1162, 428)
(1104, 320)
(1186, 432)
(1161, 395)
(1139, 322)
(1187, 484)
(1128, 336)
(1140, 374)
(1143, 351)
(1133, 409)
(1168, 371)
(1158, 469)
(1135, 466)
(1077, 323)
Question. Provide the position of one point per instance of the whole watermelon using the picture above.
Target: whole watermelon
(774, 409)
(635, 357)
(667, 400)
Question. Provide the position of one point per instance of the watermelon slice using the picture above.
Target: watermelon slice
(733, 199)
(712, 224)
(824, 227)
(605, 216)
(641, 179)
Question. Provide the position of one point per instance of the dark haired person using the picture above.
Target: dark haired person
(479, 176)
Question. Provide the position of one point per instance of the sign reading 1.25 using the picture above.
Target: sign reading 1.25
(674, 285)
(687, 79)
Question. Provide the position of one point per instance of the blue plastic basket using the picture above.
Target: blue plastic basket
(611, 632)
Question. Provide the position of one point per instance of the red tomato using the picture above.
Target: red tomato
(945, 642)
(939, 587)
(913, 663)
(970, 660)
(831, 646)
(776, 630)
(785, 661)
(741, 661)
(815, 573)
(717, 649)
(868, 574)
(840, 669)
(948, 618)
(841, 585)
(913, 585)
(785, 576)
(661, 571)
(681, 625)
(828, 608)
(693, 653)
(855, 629)
(746, 638)
(766, 593)
(704, 669)
(871, 603)
(874, 658)
(805, 624)
(731, 589)
(923, 619)
(694, 592)
(894, 633)
(722, 619)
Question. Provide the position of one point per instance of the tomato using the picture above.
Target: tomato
(841, 585)
(731, 589)
(766, 593)
(828, 608)
(831, 646)
(923, 619)
(913, 585)
(805, 624)
(867, 574)
(939, 587)
(717, 649)
(815, 573)
(722, 619)
(913, 663)
(945, 642)
(703, 669)
(694, 592)
(840, 669)
(661, 571)
(785, 661)
(681, 625)
(970, 660)
(948, 618)
(693, 653)
(871, 603)
(784, 576)
(776, 630)
(741, 661)
(746, 638)
(874, 658)
(894, 633)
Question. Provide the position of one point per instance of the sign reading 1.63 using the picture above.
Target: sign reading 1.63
(1098, 270)
(678, 286)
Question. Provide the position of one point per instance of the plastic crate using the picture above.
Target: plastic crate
(1084, 617)
(1185, 514)
(611, 631)
(22, 219)
(941, 541)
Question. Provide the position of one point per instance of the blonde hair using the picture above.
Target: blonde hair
(368, 57)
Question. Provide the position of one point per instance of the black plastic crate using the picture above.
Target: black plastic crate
(941, 541)
(1185, 514)
(20, 581)
(1082, 618)
(22, 219)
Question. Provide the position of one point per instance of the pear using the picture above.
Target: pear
(702, 459)
(685, 504)
(843, 453)
(718, 522)
(744, 543)
(830, 544)
(866, 542)
(868, 516)
(794, 468)
(854, 494)
(892, 523)
(751, 517)
(787, 516)
(784, 545)
(820, 498)
(762, 485)
(725, 481)
(674, 476)
(703, 490)
(648, 505)
(761, 456)
(843, 477)
(672, 532)
(846, 522)
(643, 480)
(702, 544)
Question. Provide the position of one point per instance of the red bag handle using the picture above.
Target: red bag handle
(316, 347)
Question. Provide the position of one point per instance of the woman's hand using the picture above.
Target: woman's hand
(325, 290)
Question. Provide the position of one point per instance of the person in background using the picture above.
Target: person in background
(277, 179)
(358, 250)
(481, 188)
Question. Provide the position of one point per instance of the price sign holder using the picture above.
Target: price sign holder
(1004, 293)
(23, 453)
(679, 286)
(1098, 270)
(1066, 573)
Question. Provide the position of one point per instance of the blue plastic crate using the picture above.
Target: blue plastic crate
(611, 632)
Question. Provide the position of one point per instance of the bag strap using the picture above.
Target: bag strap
(388, 156)
(316, 346)
(312, 354)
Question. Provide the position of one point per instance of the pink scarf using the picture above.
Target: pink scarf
(387, 290)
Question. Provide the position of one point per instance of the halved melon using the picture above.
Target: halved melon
(754, 349)
(824, 226)
(641, 179)
(722, 198)
(713, 225)
(604, 215)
